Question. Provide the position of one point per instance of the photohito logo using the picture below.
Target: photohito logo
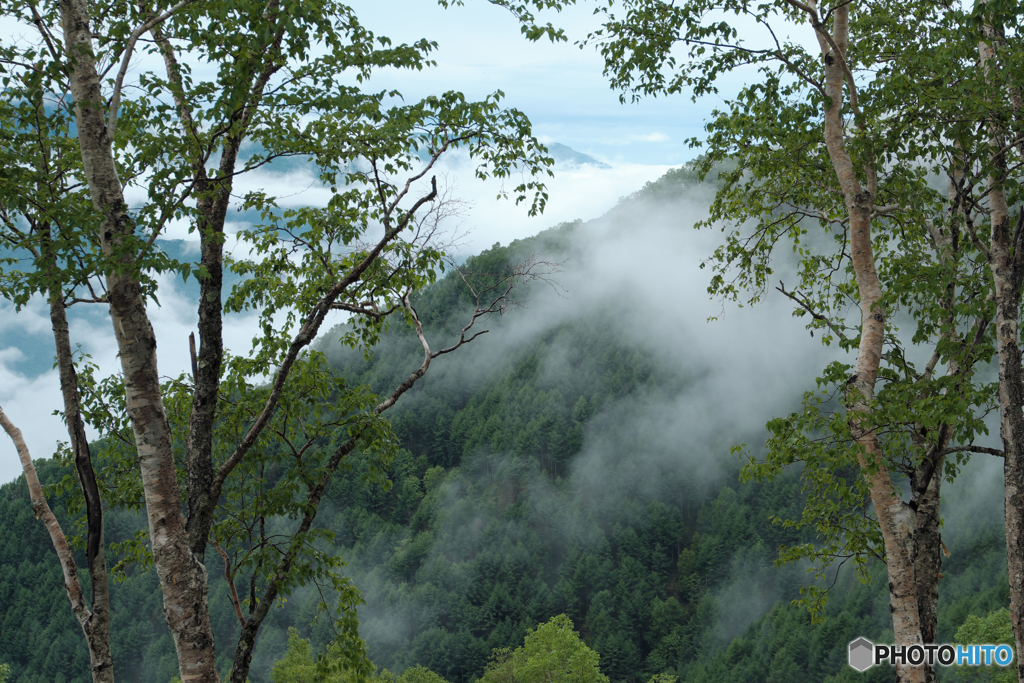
(864, 654)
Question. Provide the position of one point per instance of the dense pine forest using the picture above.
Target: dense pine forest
(548, 468)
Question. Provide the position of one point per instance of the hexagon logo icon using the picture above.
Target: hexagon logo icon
(862, 654)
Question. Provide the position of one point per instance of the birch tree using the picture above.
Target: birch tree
(366, 253)
(45, 216)
(847, 136)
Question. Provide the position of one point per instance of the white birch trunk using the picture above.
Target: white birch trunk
(1006, 261)
(896, 519)
(182, 577)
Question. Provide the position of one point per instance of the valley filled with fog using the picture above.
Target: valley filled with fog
(576, 460)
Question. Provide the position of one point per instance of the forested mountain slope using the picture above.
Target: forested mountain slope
(575, 459)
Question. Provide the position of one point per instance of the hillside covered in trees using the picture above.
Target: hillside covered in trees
(575, 460)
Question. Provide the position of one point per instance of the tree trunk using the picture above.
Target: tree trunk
(95, 625)
(213, 197)
(926, 478)
(927, 562)
(1006, 261)
(896, 518)
(182, 577)
(1006, 272)
(98, 633)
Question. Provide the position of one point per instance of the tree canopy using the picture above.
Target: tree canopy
(855, 136)
(552, 653)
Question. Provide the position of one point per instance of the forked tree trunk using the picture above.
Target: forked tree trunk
(182, 577)
(212, 207)
(213, 197)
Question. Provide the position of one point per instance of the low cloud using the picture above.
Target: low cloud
(650, 137)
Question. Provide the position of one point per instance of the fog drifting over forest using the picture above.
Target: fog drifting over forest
(640, 259)
(29, 387)
(638, 268)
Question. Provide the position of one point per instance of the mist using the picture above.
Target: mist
(634, 274)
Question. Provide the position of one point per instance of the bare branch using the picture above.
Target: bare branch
(306, 335)
(418, 372)
(811, 12)
(929, 367)
(367, 308)
(978, 243)
(796, 69)
(231, 584)
(38, 21)
(42, 511)
(885, 210)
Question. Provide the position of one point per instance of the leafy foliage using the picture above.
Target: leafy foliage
(914, 117)
(994, 628)
(267, 96)
(552, 653)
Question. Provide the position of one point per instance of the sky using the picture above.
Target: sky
(559, 86)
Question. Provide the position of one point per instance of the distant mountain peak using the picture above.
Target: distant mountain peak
(567, 156)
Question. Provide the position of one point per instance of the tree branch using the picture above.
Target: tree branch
(306, 335)
(972, 449)
(115, 98)
(814, 314)
(38, 21)
(231, 584)
(42, 511)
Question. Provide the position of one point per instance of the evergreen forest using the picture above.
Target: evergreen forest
(562, 464)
